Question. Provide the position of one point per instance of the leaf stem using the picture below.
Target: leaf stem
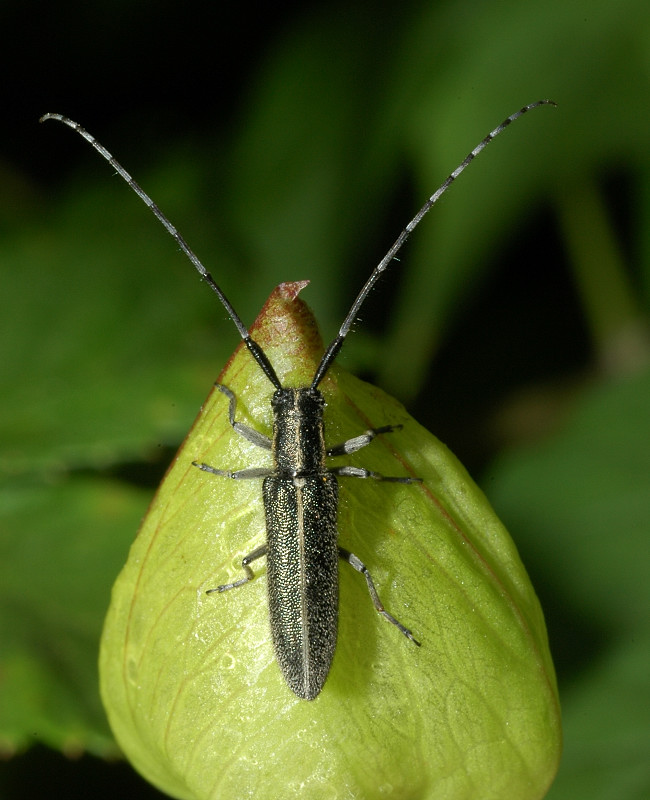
(618, 328)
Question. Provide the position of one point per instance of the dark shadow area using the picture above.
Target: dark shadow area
(43, 773)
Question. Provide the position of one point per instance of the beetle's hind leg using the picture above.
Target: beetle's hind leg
(246, 560)
(357, 564)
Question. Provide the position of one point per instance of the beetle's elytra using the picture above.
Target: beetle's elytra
(300, 492)
(300, 503)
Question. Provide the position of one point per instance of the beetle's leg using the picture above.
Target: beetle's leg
(246, 560)
(357, 564)
(357, 442)
(238, 475)
(361, 472)
(253, 436)
(250, 434)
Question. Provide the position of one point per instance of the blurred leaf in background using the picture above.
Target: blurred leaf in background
(531, 350)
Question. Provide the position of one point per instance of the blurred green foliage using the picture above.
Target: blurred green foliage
(109, 343)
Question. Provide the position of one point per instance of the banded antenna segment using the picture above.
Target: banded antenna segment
(336, 344)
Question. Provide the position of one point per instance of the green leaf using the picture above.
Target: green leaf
(189, 681)
(83, 383)
(583, 493)
(49, 627)
(606, 725)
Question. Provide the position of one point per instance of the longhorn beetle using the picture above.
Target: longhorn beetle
(300, 492)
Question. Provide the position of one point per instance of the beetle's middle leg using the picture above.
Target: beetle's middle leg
(356, 443)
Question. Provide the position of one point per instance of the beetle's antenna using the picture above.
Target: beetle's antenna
(258, 354)
(337, 343)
